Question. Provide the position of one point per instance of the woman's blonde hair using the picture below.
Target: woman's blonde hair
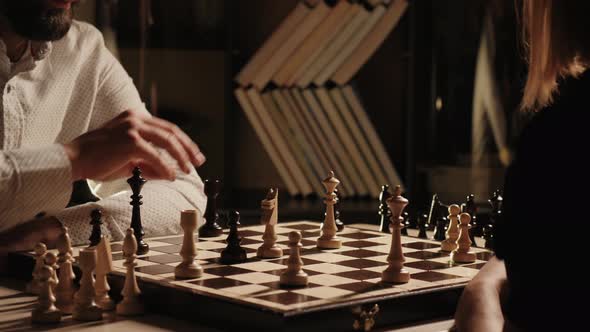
(557, 44)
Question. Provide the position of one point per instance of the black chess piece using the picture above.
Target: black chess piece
(211, 228)
(96, 222)
(441, 228)
(136, 182)
(422, 226)
(81, 194)
(435, 212)
(339, 223)
(471, 207)
(488, 235)
(496, 214)
(384, 212)
(233, 253)
(406, 223)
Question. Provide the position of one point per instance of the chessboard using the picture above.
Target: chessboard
(341, 281)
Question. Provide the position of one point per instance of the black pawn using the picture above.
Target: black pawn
(96, 222)
(422, 226)
(211, 228)
(136, 182)
(441, 228)
(384, 212)
(406, 223)
(339, 223)
(233, 253)
(471, 208)
(488, 235)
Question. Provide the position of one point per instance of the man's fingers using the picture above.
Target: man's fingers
(196, 156)
(169, 142)
(148, 153)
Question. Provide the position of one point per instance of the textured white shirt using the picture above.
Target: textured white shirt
(55, 93)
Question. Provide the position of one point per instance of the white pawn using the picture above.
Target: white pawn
(395, 272)
(188, 268)
(64, 291)
(294, 275)
(452, 234)
(85, 309)
(328, 239)
(104, 265)
(51, 261)
(130, 305)
(269, 218)
(45, 311)
(34, 285)
(463, 254)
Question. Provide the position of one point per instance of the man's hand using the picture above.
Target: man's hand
(131, 139)
(25, 236)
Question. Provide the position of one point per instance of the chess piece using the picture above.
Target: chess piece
(433, 214)
(65, 289)
(188, 268)
(45, 311)
(422, 227)
(104, 265)
(339, 223)
(33, 286)
(395, 272)
(130, 305)
(488, 235)
(440, 230)
(384, 213)
(269, 218)
(294, 275)
(96, 222)
(450, 243)
(471, 207)
(233, 253)
(328, 238)
(82, 194)
(463, 254)
(211, 228)
(85, 309)
(51, 261)
(405, 223)
(136, 182)
(496, 203)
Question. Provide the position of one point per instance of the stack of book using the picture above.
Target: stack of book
(306, 128)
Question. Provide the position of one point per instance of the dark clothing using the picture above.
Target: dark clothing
(544, 235)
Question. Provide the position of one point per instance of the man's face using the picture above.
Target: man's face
(40, 20)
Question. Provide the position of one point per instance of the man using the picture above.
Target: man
(69, 112)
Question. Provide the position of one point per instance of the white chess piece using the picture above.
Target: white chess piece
(104, 265)
(65, 289)
(294, 274)
(51, 261)
(188, 268)
(130, 305)
(463, 253)
(328, 238)
(269, 218)
(33, 286)
(395, 272)
(45, 311)
(452, 234)
(85, 308)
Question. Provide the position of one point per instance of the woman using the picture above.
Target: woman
(536, 283)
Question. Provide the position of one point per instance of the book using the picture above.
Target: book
(294, 144)
(327, 72)
(312, 43)
(333, 161)
(282, 147)
(359, 16)
(371, 43)
(266, 141)
(289, 44)
(371, 133)
(335, 146)
(268, 48)
(357, 133)
(344, 134)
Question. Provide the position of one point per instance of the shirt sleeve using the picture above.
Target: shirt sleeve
(162, 200)
(33, 181)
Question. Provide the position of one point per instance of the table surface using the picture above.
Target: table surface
(16, 306)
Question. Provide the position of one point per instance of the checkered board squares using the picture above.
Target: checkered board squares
(339, 276)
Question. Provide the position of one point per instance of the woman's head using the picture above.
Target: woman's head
(557, 41)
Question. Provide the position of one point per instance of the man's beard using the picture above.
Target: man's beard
(31, 19)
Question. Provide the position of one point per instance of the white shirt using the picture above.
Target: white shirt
(55, 93)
